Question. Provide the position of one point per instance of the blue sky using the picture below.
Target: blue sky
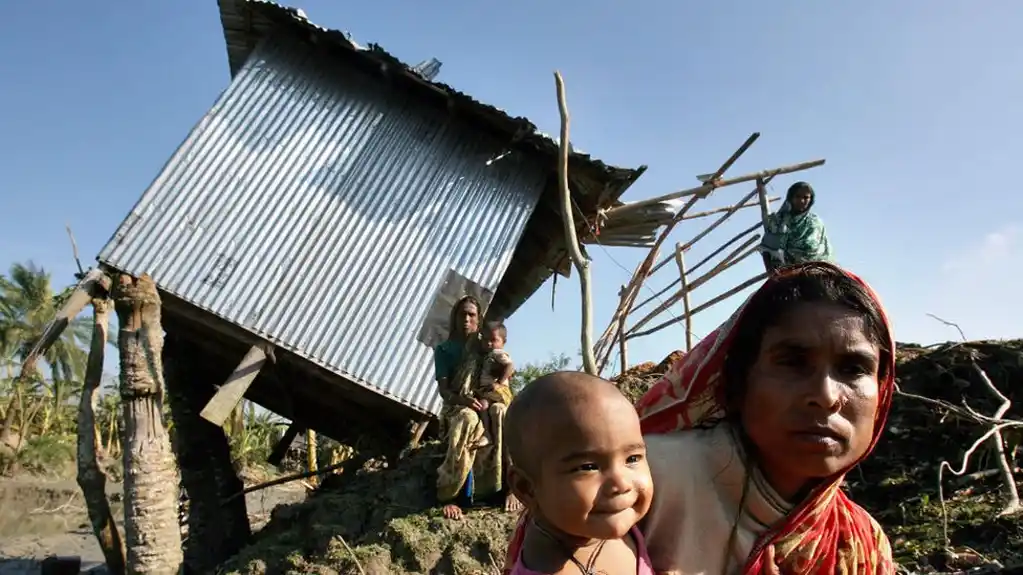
(915, 104)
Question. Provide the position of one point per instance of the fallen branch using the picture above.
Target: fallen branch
(994, 433)
(581, 263)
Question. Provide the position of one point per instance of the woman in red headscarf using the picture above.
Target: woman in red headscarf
(750, 434)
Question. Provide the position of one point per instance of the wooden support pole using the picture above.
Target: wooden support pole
(680, 260)
(227, 398)
(702, 307)
(582, 264)
(623, 350)
(310, 454)
(708, 187)
(763, 200)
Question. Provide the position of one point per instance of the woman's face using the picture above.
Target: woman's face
(811, 396)
(800, 200)
(468, 318)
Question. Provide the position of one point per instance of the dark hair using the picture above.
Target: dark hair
(799, 187)
(453, 318)
(496, 326)
(811, 283)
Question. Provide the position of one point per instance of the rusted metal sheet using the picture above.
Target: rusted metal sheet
(321, 210)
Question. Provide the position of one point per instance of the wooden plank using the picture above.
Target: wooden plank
(227, 398)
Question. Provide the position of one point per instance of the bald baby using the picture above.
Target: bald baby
(559, 406)
(578, 460)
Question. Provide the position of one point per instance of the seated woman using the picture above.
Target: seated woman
(470, 473)
(794, 234)
(750, 435)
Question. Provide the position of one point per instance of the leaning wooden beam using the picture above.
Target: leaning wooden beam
(700, 264)
(227, 398)
(91, 478)
(581, 263)
(680, 260)
(701, 307)
(704, 214)
(710, 186)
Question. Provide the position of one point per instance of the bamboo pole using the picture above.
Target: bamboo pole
(582, 264)
(708, 187)
(605, 344)
(763, 200)
(680, 260)
(702, 307)
(622, 343)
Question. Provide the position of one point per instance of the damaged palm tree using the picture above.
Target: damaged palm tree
(91, 477)
(151, 528)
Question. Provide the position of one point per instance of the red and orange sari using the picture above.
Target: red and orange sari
(827, 533)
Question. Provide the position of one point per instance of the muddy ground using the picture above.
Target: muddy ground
(40, 517)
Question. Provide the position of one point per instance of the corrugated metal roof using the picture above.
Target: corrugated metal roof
(321, 210)
(245, 22)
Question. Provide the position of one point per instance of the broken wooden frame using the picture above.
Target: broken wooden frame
(743, 245)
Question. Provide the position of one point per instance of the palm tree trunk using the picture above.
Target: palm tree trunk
(151, 528)
(91, 478)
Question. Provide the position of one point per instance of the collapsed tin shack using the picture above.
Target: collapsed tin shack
(327, 211)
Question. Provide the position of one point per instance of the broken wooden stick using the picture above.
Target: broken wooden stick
(581, 262)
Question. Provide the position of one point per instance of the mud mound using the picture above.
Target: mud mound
(386, 519)
(635, 381)
(898, 483)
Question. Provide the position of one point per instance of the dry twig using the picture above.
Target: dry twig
(994, 433)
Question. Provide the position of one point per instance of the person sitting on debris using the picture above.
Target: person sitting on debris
(494, 382)
(766, 415)
(579, 466)
(468, 475)
(794, 234)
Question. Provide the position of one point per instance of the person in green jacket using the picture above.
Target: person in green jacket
(794, 234)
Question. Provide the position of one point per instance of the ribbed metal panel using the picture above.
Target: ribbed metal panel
(321, 210)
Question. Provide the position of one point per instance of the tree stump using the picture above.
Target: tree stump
(152, 534)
